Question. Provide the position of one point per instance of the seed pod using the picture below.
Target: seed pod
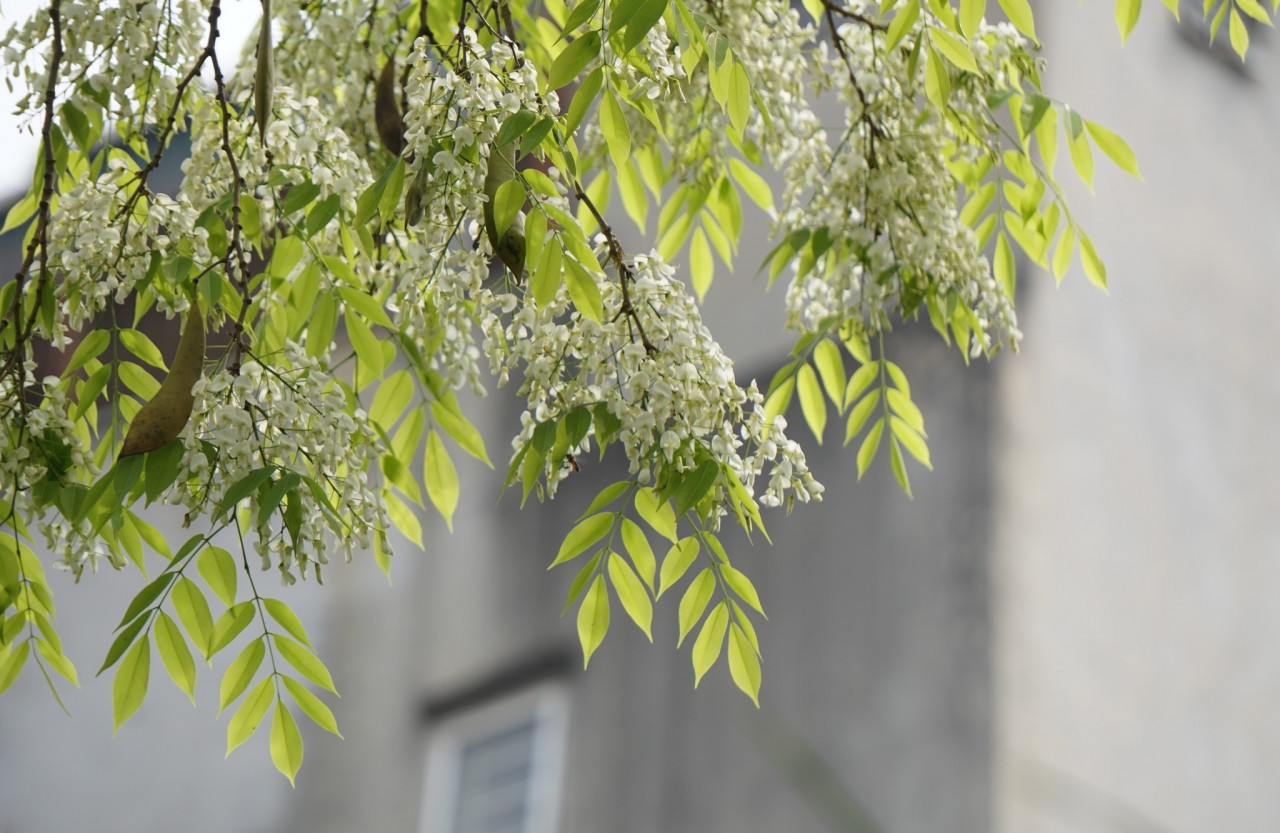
(413, 207)
(386, 111)
(264, 79)
(510, 247)
(165, 415)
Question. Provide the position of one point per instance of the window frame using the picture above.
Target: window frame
(544, 703)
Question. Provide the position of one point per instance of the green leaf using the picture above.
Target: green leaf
(738, 104)
(1019, 14)
(701, 266)
(971, 13)
(1239, 34)
(219, 572)
(143, 601)
(593, 619)
(122, 642)
(953, 49)
(656, 512)
(694, 601)
(463, 432)
(441, 478)
(635, 599)
(646, 16)
(311, 705)
(581, 13)
(870, 445)
(142, 347)
(694, 485)
(903, 20)
(1127, 16)
(12, 660)
(240, 673)
(299, 197)
(573, 60)
(193, 610)
(249, 715)
(613, 124)
(1062, 255)
(812, 403)
(175, 655)
(129, 688)
(677, 562)
(637, 545)
(912, 440)
(229, 625)
(710, 641)
(744, 665)
(583, 99)
(54, 657)
(583, 291)
(1114, 147)
(286, 742)
(307, 663)
(742, 587)
(582, 536)
(1094, 269)
(287, 619)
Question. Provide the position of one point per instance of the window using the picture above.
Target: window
(496, 765)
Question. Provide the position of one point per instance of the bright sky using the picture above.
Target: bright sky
(19, 144)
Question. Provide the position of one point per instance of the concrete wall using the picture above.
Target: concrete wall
(876, 656)
(1137, 537)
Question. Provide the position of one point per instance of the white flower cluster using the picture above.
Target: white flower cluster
(291, 416)
(100, 248)
(888, 201)
(671, 402)
(40, 443)
(451, 123)
(102, 44)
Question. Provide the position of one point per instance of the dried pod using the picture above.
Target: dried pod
(510, 246)
(264, 79)
(386, 111)
(162, 418)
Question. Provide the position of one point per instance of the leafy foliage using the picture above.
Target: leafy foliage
(361, 226)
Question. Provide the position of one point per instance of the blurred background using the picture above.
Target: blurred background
(1071, 627)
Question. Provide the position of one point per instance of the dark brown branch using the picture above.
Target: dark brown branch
(40, 239)
(626, 275)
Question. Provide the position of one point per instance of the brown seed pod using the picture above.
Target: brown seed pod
(386, 110)
(165, 415)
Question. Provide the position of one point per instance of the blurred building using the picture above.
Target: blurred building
(1069, 629)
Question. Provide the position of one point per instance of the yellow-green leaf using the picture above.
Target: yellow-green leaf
(286, 742)
(593, 619)
(248, 716)
(812, 403)
(311, 705)
(307, 663)
(744, 665)
(1114, 147)
(1019, 14)
(696, 597)
(635, 599)
(710, 641)
(175, 655)
(129, 688)
(240, 673)
(219, 572)
(441, 478)
(677, 562)
(637, 545)
(587, 532)
(1094, 269)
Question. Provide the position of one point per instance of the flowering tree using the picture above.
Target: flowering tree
(382, 204)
